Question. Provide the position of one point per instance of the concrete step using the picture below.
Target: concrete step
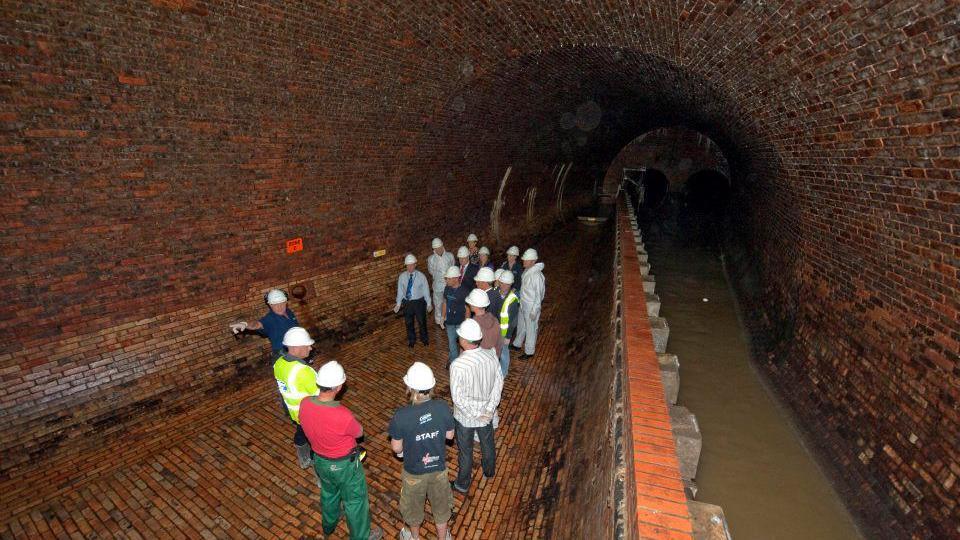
(709, 523)
(670, 373)
(653, 305)
(661, 333)
(644, 269)
(691, 488)
(649, 284)
(686, 434)
(642, 255)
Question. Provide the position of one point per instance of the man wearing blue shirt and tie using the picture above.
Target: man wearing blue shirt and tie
(413, 295)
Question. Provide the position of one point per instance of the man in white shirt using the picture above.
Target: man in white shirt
(475, 387)
(413, 295)
(437, 265)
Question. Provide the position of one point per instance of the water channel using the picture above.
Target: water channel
(754, 463)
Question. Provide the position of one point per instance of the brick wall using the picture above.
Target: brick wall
(156, 156)
(585, 505)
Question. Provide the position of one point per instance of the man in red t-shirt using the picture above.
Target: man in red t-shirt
(333, 432)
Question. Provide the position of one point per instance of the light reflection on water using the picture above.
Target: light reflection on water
(753, 463)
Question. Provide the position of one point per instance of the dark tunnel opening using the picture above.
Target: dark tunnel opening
(707, 192)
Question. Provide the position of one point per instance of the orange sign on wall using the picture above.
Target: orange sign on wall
(294, 245)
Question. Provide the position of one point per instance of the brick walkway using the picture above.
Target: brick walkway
(236, 476)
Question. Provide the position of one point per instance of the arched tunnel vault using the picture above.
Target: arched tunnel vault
(157, 155)
(680, 152)
(580, 105)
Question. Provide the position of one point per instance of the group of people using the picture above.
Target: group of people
(484, 312)
(506, 301)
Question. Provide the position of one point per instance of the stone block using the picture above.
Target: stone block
(644, 269)
(649, 284)
(709, 523)
(653, 305)
(686, 434)
(670, 373)
(642, 255)
(690, 488)
(661, 333)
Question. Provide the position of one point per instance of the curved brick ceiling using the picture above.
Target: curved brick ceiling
(148, 147)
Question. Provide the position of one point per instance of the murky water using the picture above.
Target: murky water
(753, 463)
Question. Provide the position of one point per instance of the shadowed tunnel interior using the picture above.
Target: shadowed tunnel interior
(156, 157)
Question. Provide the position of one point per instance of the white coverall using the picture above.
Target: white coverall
(532, 288)
(437, 266)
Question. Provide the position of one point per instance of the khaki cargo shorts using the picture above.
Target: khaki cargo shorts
(417, 488)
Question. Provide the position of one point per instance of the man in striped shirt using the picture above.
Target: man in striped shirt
(475, 386)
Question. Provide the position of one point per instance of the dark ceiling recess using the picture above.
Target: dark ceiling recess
(707, 191)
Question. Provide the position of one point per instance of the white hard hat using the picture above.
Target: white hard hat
(530, 255)
(506, 277)
(297, 337)
(409, 259)
(419, 377)
(478, 298)
(436, 243)
(471, 237)
(470, 330)
(276, 296)
(498, 273)
(452, 272)
(485, 274)
(514, 250)
(463, 252)
(484, 251)
(331, 374)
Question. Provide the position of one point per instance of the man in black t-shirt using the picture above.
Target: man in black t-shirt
(418, 434)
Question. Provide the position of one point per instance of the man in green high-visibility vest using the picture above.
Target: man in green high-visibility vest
(509, 313)
(296, 380)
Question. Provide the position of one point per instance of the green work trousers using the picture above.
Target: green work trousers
(343, 483)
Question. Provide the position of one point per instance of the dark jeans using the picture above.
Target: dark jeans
(453, 343)
(488, 452)
(418, 309)
(299, 438)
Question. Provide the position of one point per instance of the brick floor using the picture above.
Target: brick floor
(233, 472)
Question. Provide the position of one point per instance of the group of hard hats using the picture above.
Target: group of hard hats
(462, 252)
(330, 374)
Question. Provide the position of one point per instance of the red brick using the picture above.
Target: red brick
(131, 80)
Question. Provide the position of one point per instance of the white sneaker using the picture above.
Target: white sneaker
(405, 534)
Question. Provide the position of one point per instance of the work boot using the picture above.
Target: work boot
(304, 455)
